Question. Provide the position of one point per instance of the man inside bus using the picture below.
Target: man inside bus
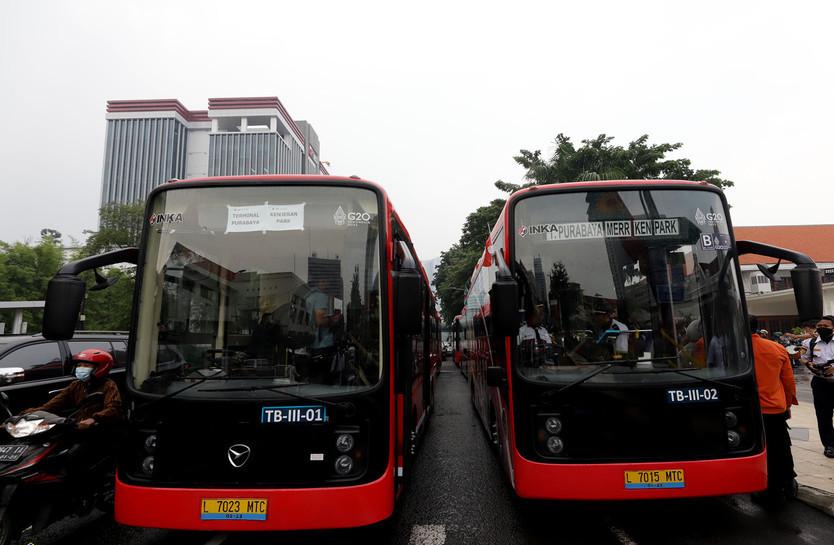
(606, 327)
(777, 392)
(329, 328)
(534, 340)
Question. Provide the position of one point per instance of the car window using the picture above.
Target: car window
(79, 346)
(39, 361)
(120, 353)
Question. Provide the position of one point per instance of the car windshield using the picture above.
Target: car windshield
(642, 280)
(258, 286)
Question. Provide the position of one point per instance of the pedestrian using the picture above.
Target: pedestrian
(818, 357)
(777, 392)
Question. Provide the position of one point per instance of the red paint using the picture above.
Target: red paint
(607, 481)
(288, 509)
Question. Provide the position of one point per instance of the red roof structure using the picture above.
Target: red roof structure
(816, 241)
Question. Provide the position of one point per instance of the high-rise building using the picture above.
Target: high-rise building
(151, 141)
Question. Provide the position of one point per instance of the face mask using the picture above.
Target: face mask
(83, 373)
(825, 333)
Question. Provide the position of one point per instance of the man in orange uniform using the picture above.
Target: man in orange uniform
(777, 392)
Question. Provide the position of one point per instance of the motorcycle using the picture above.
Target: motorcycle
(39, 483)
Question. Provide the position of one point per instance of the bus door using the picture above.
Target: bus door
(409, 365)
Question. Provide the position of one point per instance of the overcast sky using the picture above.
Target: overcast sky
(431, 100)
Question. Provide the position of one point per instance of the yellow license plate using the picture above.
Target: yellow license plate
(233, 509)
(655, 478)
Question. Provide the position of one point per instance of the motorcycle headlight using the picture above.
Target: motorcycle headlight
(25, 428)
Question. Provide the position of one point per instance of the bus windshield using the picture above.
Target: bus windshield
(252, 287)
(642, 281)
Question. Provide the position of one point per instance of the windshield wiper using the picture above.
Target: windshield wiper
(177, 392)
(604, 366)
(281, 388)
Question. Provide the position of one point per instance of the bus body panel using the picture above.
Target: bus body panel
(287, 509)
(607, 481)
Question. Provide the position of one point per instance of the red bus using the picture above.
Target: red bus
(282, 355)
(606, 343)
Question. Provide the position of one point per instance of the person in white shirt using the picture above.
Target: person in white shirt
(818, 357)
(534, 339)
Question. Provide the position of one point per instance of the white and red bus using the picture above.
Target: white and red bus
(606, 343)
(282, 355)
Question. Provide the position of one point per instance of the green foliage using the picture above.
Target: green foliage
(109, 309)
(120, 226)
(25, 271)
(599, 159)
(457, 263)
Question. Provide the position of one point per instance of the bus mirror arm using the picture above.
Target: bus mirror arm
(66, 290)
(805, 277)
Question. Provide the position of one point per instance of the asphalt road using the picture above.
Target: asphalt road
(458, 496)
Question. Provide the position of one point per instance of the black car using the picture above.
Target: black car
(32, 368)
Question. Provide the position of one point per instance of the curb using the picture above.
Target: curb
(819, 499)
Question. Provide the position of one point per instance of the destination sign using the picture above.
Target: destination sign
(604, 229)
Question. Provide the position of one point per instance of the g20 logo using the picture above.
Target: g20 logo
(358, 216)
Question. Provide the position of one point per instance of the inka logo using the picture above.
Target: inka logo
(522, 231)
(339, 216)
(158, 219)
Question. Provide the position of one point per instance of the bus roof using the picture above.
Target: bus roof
(283, 178)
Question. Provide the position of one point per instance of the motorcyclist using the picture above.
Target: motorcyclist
(91, 369)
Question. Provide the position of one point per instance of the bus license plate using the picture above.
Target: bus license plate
(696, 394)
(11, 453)
(233, 509)
(301, 414)
(657, 478)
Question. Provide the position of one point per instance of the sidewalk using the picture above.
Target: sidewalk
(815, 472)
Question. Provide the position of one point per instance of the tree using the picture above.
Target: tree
(599, 159)
(120, 226)
(456, 264)
(25, 271)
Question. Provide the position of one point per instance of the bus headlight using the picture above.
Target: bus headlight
(553, 425)
(555, 444)
(147, 465)
(150, 444)
(733, 439)
(344, 464)
(344, 443)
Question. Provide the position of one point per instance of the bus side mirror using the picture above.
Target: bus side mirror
(807, 290)
(503, 302)
(408, 293)
(64, 296)
(496, 376)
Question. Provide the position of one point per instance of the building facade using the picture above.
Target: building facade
(149, 142)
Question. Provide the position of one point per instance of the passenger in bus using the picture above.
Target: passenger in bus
(534, 339)
(605, 324)
(265, 338)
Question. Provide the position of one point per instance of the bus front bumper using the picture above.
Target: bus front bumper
(287, 509)
(619, 481)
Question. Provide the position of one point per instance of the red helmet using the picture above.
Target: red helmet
(100, 358)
